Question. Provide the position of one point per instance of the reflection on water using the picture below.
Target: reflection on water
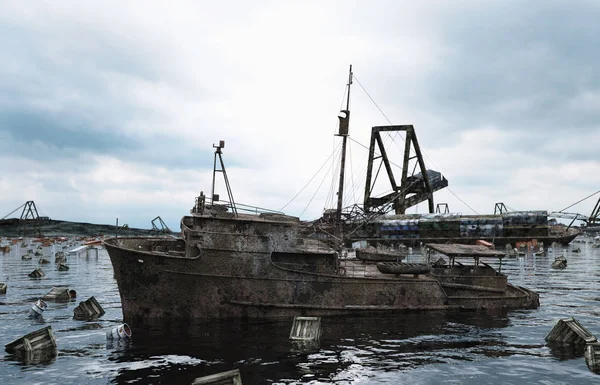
(416, 348)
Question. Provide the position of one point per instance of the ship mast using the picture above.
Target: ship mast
(343, 132)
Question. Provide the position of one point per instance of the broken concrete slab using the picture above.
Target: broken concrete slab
(570, 331)
(88, 309)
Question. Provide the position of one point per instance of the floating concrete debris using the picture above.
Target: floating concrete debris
(62, 267)
(570, 331)
(576, 250)
(3, 287)
(39, 254)
(43, 261)
(28, 255)
(37, 273)
(596, 246)
(230, 377)
(58, 294)
(37, 309)
(119, 332)
(560, 262)
(88, 309)
(306, 328)
(592, 357)
(37, 340)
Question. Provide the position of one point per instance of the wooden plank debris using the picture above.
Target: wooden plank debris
(39, 339)
(592, 357)
(570, 331)
(58, 294)
(560, 262)
(88, 309)
(37, 273)
(306, 328)
(62, 267)
(230, 377)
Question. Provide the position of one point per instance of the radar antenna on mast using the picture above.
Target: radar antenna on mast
(215, 198)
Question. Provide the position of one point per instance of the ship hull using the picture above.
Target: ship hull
(221, 284)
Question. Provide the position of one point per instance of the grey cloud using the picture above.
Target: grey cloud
(521, 66)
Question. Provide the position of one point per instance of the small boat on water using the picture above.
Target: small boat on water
(376, 254)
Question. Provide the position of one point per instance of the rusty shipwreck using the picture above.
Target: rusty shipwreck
(228, 265)
(264, 264)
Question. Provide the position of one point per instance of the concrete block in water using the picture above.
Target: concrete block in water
(37, 273)
(39, 339)
(88, 309)
(3, 287)
(570, 331)
(43, 261)
(59, 294)
(592, 357)
(306, 328)
(230, 377)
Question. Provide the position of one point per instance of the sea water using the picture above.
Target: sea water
(504, 347)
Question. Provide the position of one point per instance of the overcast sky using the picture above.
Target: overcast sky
(110, 109)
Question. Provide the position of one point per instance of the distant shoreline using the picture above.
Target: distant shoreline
(57, 228)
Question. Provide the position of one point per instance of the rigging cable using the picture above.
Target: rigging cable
(331, 194)
(318, 188)
(313, 177)
(429, 159)
(589, 196)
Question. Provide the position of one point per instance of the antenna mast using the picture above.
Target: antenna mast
(343, 132)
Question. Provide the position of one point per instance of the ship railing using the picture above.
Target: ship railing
(352, 270)
(244, 207)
